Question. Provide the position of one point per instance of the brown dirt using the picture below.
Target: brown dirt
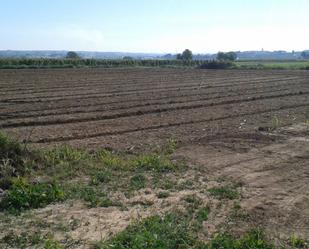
(140, 108)
(274, 175)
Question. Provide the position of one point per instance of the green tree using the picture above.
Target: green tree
(230, 56)
(187, 55)
(72, 55)
(179, 56)
(305, 55)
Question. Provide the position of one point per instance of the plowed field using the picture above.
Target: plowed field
(137, 108)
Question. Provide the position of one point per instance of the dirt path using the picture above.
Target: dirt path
(275, 175)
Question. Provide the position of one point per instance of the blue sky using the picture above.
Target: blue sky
(154, 25)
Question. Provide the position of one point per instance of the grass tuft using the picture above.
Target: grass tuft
(224, 193)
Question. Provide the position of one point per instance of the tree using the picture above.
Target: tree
(179, 56)
(186, 55)
(127, 58)
(230, 56)
(72, 55)
(305, 55)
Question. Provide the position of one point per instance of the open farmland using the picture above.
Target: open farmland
(243, 136)
(137, 107)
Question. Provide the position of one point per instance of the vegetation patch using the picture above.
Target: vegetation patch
(252, 240)
(224, 193)
(24, 195)
(22, 240)
(202, 214)
(168, 232)
(138, 181)
(174, 231)
(94, 197)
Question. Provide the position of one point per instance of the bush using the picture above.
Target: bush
(24, 195)
(14, 160)
(11, 151)
(216, 65)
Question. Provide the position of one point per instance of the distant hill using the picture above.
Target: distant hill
(242, 55)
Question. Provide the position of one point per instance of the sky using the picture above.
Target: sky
(154, 26)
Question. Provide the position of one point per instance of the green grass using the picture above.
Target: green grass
(24, 195)
(94, 197)
(169, 232)
(298, 243)
(154, 162)
(173, 231)
(101, 176)
(202, 214)
(106, 170)
(225, 192)
(252, 240)
(138, 181)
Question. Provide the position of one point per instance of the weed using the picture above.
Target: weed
(163, 194)
(23, 195)
(224, 193)
(164, 183)
(102, 176)
(298, 243)
(202, 214)
(12, 151)
(94, 197)
(154, 162)
(171, 146)
(65, 154)
(193, 200)
(111, 160)
(52, 244)
(275, 123)
(138, 181)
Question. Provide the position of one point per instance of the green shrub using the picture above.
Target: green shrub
(216, 65)
(12, 151)
(23, 195)
(14, 160)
